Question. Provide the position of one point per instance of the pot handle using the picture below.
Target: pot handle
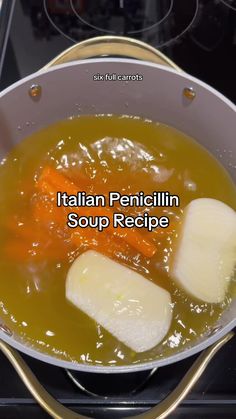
(119, 46)
(161, 411)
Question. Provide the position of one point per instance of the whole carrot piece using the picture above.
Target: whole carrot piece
(51, 181)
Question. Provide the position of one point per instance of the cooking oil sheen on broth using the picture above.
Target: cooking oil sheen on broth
(101, 154)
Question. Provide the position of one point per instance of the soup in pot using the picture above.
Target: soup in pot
(99, 154)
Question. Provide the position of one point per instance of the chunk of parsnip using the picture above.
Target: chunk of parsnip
(206, 250)
(129, 306)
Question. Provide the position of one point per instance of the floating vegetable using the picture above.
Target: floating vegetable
(129, 306)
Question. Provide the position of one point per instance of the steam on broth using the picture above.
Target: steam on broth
(100, 154)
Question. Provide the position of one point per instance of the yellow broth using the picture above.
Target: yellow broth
(116, 153)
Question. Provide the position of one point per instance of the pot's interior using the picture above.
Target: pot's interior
(159, 96)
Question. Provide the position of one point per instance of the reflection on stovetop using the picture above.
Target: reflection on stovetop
(214, 396)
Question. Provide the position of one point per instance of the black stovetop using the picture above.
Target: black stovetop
(200, 36)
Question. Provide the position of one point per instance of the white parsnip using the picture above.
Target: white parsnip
(129, 306)
(206, 251)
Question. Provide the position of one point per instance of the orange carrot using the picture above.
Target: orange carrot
(50, 182)
(136, 240)
(100, 241)
(58, 180)
(47, 212)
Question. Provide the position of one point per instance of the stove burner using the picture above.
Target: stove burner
(229, 3)
(179, 23)
(159, 23)
(210, 31)
(56, 17)
(129, 17)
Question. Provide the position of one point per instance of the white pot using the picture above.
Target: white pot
(209, 118)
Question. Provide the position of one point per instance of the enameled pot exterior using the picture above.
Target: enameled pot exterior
(69, 89)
